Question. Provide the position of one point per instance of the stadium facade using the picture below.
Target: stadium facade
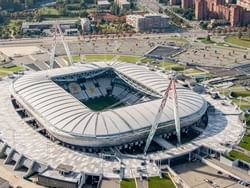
(101, 104)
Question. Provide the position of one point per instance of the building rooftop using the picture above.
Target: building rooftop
(55, 174)
(49, 22)
(124, 2)
(103, 2)
(74, 118)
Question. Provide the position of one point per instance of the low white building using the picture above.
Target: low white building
(46, 27)
(103, 4)
(148, 22)
(86, 25)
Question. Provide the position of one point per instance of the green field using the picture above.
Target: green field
(242, 104)
(99, 57)
(177, 39)
(238, 155)
(92, 57)
(76, 58)
(172, 66)
(234, 40)
(243, 93)
(129, 59)
(157, 182)
(128, 183)
(49, 12)
(245, 142)
(5, 71)
(236, 91)
(102, 103)
(191, 72)
(146, 60)
(205, 41)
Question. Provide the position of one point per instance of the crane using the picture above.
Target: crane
(171, 88)
(58, 31)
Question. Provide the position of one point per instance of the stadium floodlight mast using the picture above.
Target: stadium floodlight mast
(171, 88)
(57, 30)
(53, 50)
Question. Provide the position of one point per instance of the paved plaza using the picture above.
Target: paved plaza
(196, 174)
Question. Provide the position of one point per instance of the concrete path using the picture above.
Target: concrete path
(14, 179)
(110, 183)
(142, 184)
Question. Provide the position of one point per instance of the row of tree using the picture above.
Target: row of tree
(16, 5)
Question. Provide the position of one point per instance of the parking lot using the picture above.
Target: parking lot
(199, 175)
(214, 56)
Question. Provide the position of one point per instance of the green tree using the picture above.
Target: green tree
(29, 3)
(239, 34)
(115, 9)
(208, 38)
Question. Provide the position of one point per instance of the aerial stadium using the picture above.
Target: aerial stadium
(104, 104)
(74, 125)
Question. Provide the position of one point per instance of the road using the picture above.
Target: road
(14, 179)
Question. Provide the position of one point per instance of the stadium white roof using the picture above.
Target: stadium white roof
(61, 112)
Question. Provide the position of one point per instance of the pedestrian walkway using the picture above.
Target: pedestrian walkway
(142, 183)
(110, 183)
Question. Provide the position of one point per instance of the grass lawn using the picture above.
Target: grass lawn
(103, 103)
(146, 60)
(128, 183)
(243, 93)
(172, 66)
(75, 58)
(234, 40)
(129, 59)
(49, 11)
(205, 41)
(245, 142)
(178, 39)
(101, 57)
(237, 91)
(5, 71)
(238, 155)
(243, 105)
(157, 182)
(193, 72)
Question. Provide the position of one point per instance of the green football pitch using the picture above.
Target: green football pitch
(102, 103)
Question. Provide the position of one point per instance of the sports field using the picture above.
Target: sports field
(5, 71)
(103, 103)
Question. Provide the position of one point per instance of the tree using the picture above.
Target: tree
(208, 38)
(239, 34)
(115, 9)
(29, 3)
